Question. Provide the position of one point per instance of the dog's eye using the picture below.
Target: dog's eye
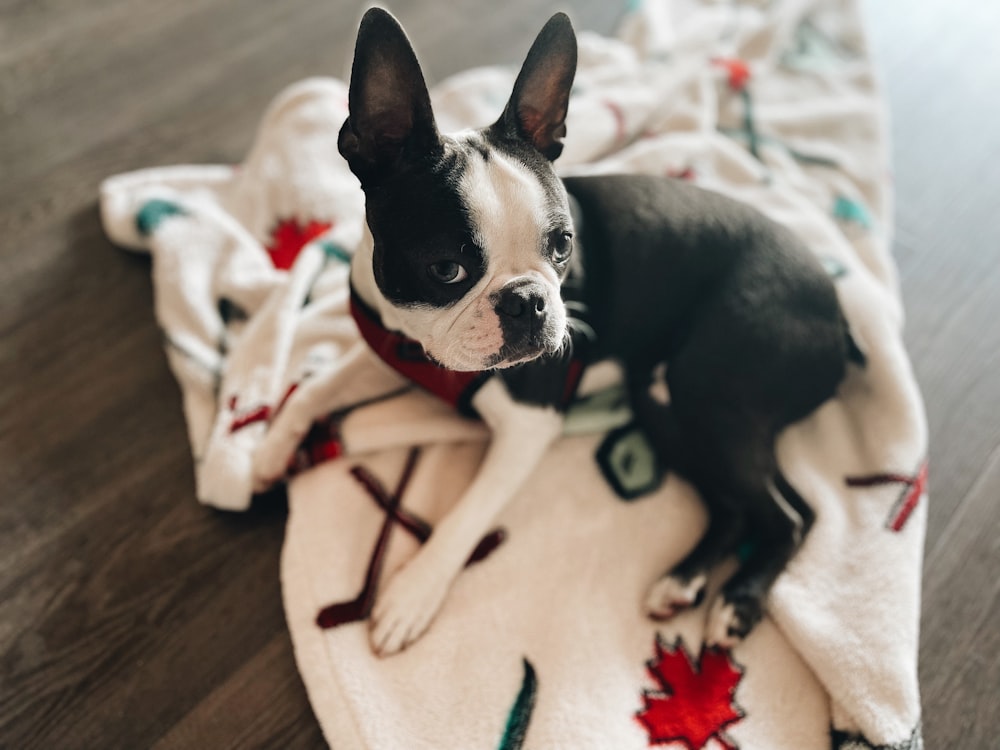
(561, 246)
(447, 272)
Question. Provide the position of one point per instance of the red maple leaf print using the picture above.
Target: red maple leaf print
(289, 237)
(695, 700)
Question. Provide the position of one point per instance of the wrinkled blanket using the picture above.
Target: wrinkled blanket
(542, 642)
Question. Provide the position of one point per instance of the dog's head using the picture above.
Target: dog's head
(472, 232)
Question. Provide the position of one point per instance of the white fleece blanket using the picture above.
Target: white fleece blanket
(543, 643)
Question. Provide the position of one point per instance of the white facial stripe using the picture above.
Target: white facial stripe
(508, 210)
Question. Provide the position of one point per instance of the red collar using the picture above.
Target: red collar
(407, 357)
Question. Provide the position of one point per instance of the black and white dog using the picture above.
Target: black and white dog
(472, 237)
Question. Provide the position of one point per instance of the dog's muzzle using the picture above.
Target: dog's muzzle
(524, 319)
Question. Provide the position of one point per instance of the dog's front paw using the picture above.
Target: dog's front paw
(408, 604)
(672, 594)
(731, 618)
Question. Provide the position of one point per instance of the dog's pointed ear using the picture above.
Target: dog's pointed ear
(538, 105)
(390, 112)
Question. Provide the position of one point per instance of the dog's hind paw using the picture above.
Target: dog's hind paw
(731, 618)
(671, 595)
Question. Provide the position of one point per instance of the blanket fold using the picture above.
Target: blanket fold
(542, 643)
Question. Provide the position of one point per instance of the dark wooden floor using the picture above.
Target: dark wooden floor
(130, 616)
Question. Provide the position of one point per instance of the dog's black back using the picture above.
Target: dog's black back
(662, 258)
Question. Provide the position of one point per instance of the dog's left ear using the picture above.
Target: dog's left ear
(537, 108)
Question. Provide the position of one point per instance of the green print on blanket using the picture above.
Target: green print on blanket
(152, 214)
(833, 267)
(815, 51)
(333, 251)
(520, 713)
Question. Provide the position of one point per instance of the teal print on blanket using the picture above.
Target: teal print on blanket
(814, 51)
(851, 211)
(520, 713)
(833, 267)
(800, 156)
(206, 359)
(152, 214)
(333, 251)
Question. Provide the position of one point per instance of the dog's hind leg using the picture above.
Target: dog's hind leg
(684, 585)
(778, 521)
(651, 410)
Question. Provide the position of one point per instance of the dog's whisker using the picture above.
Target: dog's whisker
(582, 327)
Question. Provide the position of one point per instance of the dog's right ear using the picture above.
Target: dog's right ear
(390, 109)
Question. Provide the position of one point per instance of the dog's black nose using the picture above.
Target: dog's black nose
(520, 302)
(524, 319)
